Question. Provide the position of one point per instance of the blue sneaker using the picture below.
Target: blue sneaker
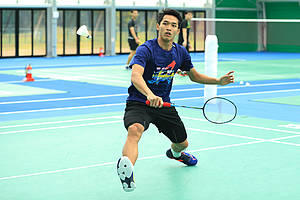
(125, 173)
(185, 158)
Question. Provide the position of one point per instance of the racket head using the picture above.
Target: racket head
(219, 110)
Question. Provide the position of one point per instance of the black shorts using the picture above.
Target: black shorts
(166, 120)
(133, 45)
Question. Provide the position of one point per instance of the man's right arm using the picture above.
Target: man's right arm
(134, 35)
(140, 84)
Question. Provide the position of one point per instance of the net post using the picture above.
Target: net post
(211, 64)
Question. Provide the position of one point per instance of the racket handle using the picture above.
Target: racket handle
(165, 104)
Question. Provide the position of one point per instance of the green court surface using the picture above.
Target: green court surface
(292, 100)
(75, 157)
(9, 90)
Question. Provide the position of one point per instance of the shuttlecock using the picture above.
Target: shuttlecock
(82, 31)
(247, 83)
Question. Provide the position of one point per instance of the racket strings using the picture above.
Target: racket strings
(219, 110)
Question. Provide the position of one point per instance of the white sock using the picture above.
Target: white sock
(175, 154)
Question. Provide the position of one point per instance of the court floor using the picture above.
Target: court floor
(61, 135)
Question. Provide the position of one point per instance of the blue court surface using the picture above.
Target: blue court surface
(61, 135)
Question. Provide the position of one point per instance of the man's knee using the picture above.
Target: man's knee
(135, 130)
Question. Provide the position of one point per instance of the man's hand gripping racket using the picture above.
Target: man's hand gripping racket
(217, 110)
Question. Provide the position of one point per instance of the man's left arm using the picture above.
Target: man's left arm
(204, 79)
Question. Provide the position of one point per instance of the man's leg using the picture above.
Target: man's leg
(177, 152)
(132, 53)
(130, 148)
(179, 147)
(130, 154)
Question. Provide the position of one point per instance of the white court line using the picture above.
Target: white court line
(20, 67)
(119, 121)
(88, 75)
(247, 126)
(251, 138)
(114, 163)
(156, 156)
(38, 80)
(5, 93)
(59, 122)
(125, 94)
(120, 117)
(226, 134)
(63, 108)
(66, 76)
(120, 104)
(240, 86)
(57, 171)
(65, 99)
(239, 94)
(232, 59)
(61, 127)
(287, 143)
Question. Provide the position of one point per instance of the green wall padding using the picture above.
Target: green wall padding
(235, 36)
(236, 3)
(283, 37)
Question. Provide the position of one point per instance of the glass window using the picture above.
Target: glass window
(141, 26)
(31, 2)
(139, 3)
(126, 17)
(199, 31)
(39, 32)
(80, 2)
(86, 43)
(70, 32)
(188, 3)
(99, 31)
(1, 32)
(8, 33)
(60, 34)
(151, 25)
(25, 33)
(67, 2)
(118, 30)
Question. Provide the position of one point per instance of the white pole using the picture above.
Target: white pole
(211, 64)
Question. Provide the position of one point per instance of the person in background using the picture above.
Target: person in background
(133, 38)
(184, 34)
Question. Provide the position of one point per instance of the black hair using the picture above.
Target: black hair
(168, 11)
(133, 10)
(188, 11)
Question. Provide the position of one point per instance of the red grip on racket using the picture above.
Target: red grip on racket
(165, 104)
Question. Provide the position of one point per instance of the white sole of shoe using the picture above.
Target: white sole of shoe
(125, 173)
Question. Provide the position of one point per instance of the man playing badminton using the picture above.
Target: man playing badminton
(153, 69)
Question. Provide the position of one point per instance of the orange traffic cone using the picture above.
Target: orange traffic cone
(28, 73)
(101, 54)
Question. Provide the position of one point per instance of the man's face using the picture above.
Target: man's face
(168, 28)
(189, 16)
(135, 14)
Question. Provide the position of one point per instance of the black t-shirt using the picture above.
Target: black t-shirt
(131, 23)
(185, 24)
